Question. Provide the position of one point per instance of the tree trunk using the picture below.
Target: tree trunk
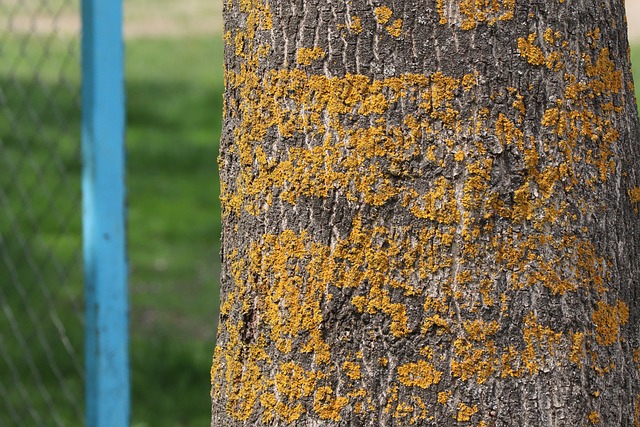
(430, 215)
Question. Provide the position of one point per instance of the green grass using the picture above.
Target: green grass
(40, 275)
(174, 97)
(174, 224)
(174, 90)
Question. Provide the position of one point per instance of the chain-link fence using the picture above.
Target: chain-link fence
(41, 326)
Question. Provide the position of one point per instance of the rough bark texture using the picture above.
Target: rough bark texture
(430, 215)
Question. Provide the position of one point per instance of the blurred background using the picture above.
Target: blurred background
(174, 86)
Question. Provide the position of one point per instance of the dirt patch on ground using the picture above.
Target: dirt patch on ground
(165, 18)
(633, 20)
(172, 18)
(65, 24)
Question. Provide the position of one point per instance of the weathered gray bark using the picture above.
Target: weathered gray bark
(430, 215)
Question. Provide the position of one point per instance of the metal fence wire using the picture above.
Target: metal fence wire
(41, 322)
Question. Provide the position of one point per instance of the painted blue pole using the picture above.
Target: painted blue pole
(106, 303)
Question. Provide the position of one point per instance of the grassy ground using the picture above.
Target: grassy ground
(173, 129)
(174, 93)
(174, 89)
(40, 275)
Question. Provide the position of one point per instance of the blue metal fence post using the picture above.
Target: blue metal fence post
(106, 301)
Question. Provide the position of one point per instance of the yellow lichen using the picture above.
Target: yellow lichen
(608, 320)
(352, 370)
(355, 26)
(419, 374)
(326, 406)
(293, 382)
(383, 14)
(529, 51)
(306, 56)
(540, 341)
(479, 11)
(606, 78)
(577, 348)
(634, 197)
(441, 11)
(465, 412)
(444, 396)
(469, 81)
(395, 29)
(475, 352)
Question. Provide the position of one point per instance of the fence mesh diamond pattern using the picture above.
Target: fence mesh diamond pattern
(41, 326)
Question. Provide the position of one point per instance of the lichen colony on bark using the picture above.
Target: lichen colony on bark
(430, 215)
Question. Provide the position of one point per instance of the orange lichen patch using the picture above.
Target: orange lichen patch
(411, 411)
(272, 408)
(518, 103)
(469, 81)
(259, 18)
(465, 412)
(305, 55)
(355, 26)
(553, 61)
(377, 104)
(245, 383)
(441, 11)
(383, 14)
(295, 103)
(352, 370)
(510, 363)
(608, 320)
(378, 300)
(594, 417)
(392, 398)
(594, 36)
(508, 132)
(528, 50)
(291, 314)
(606, 79)
(540, 341)
(326, 405)
(426, 352)
(475, 351)
(438, 204)
(474, 12)
(550, 36)
(395, 29)
(444, 396)
(358, 393)
(556, 270)
(634, 197)
(284, 309)
(419, 374)
(441, 323)
(403, 410)
(577, 349)
(318, 347)
(293, 382)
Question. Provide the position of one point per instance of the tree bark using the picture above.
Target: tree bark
(430, 215)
